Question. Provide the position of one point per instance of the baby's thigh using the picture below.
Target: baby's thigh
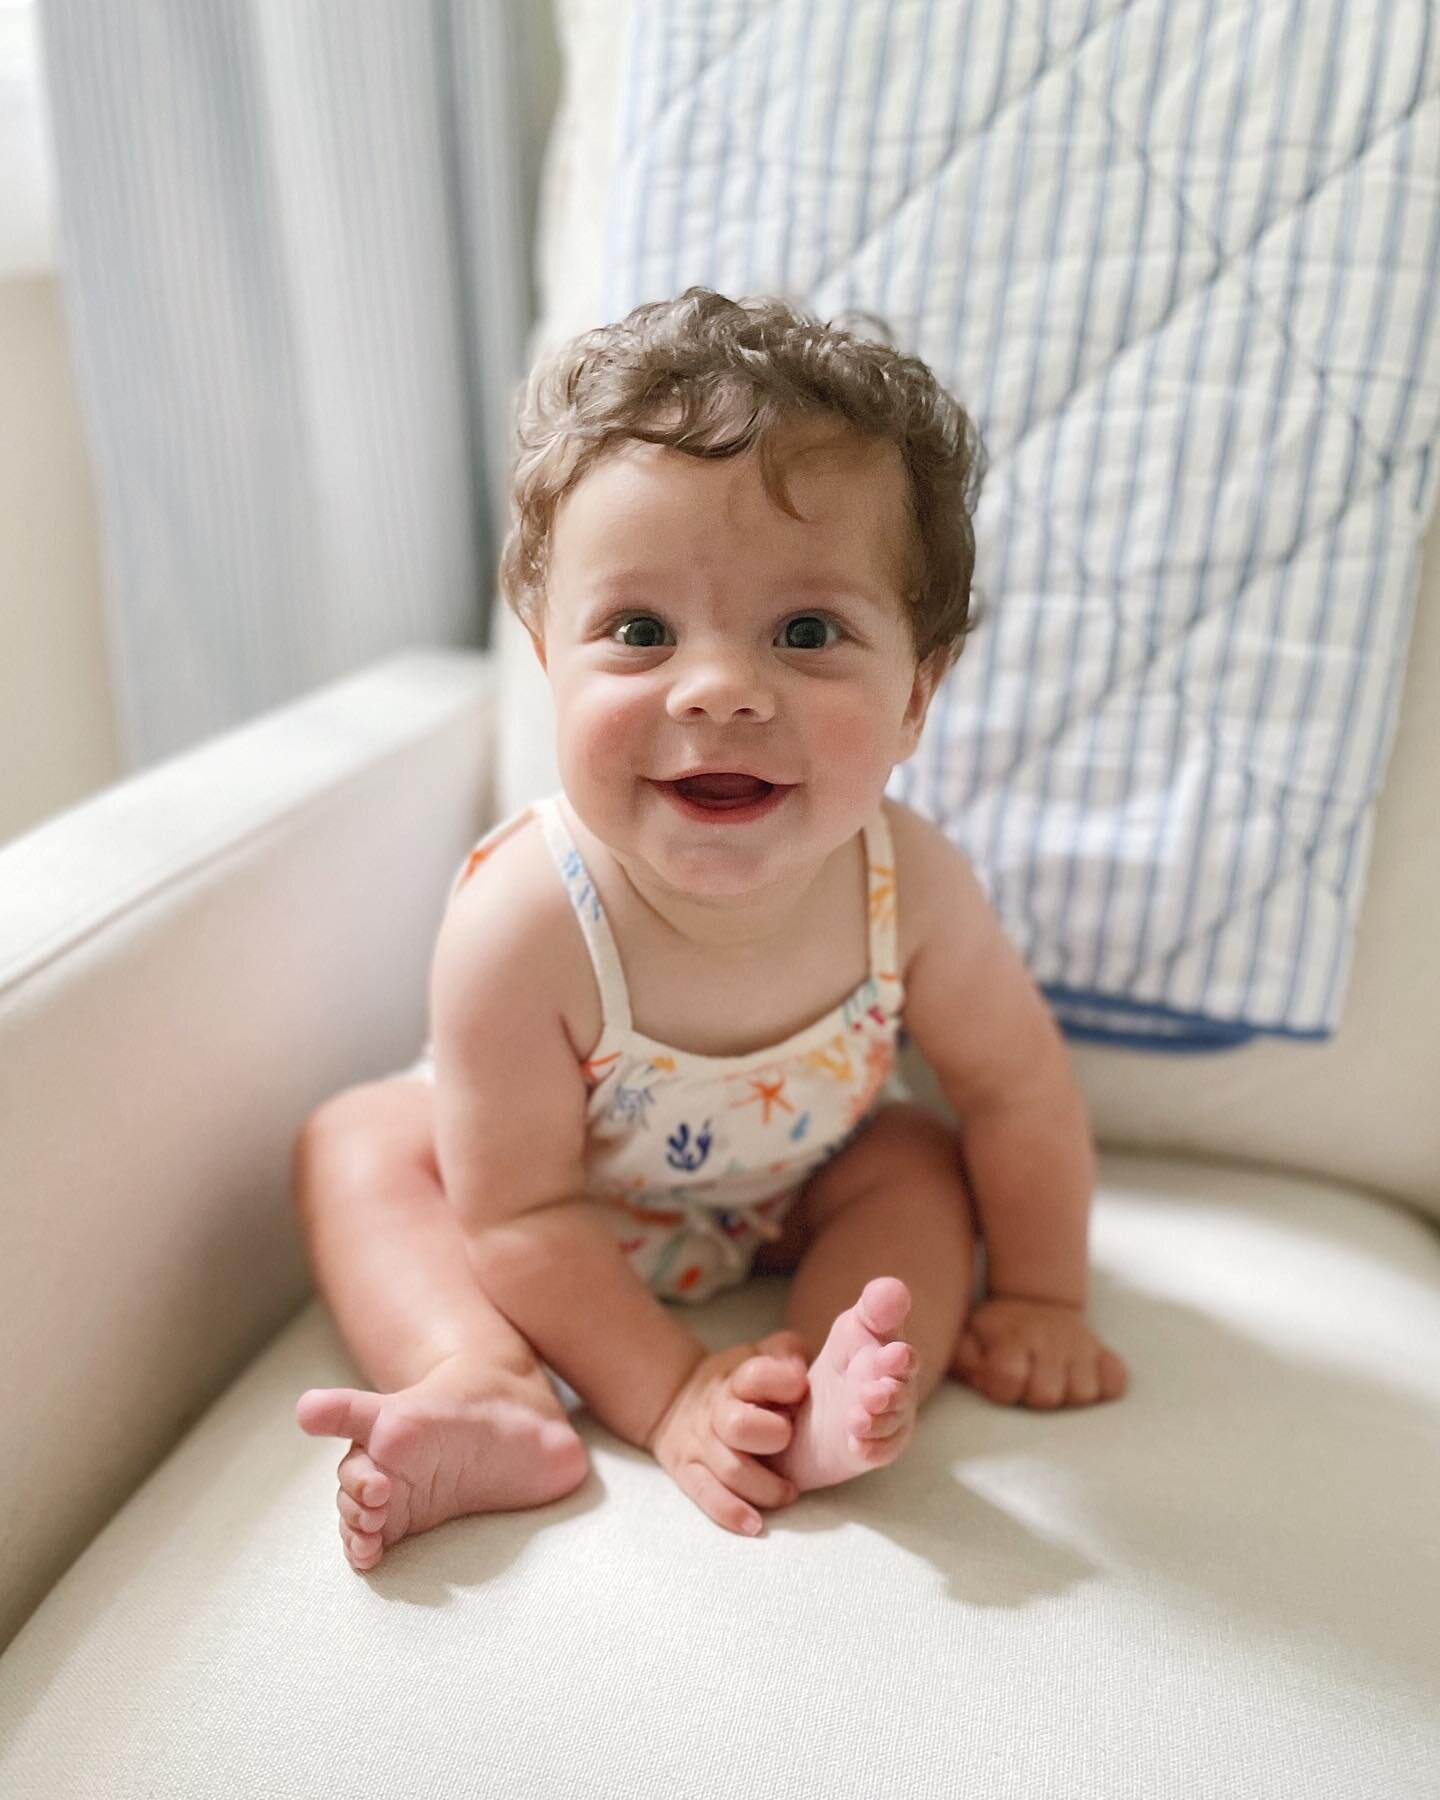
(904, 1146)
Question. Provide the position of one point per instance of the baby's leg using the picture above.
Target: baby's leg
(464, 1419)
(892, 1205)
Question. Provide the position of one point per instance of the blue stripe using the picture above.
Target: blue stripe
(1380, 549)
(1304, 712)
(1383, 735)
(1028, 927)
(710, 263)
(626, 195)
(1142, 432)
(1039, 340)
(1069, 857)
(942, 806)
(925, 65)
(821, 268)
(850, 288)
(751, 203)
(686, 138)
(785, 266)
(1261, 498)
(906, 780)
(639, 282)
(1155, 854)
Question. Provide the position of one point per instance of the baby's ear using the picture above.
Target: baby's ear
(928, 675)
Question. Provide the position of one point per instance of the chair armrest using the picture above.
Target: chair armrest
(189, 963)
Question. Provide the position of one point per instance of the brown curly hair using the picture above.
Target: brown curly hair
(714, 377)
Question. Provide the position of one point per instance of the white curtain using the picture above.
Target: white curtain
(294, 241)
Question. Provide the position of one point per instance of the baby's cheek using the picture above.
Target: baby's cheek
(845, 736)
(606, 727)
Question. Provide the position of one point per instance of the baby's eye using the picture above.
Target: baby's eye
(807, 632)
(640, 631)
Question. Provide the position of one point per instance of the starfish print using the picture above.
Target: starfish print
(768, 1093)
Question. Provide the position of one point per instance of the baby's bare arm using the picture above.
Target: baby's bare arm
(984, 1028)
(509, 1136)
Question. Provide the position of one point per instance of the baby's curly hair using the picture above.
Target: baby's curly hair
(714, 377)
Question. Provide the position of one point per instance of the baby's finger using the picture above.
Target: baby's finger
(716, 1501)
(776, 1380)
(1049, 1380)
(755, 1428)
(1084, 1381)
(1114, 1378)
(751, 1480)
(1006, 1375)
(784, 1343)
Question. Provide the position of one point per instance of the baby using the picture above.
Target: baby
(665, 1003)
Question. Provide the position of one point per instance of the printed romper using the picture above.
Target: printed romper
(698, 1158)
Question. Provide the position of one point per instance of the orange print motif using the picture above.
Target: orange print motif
(882, 892)
(596, 1068)
(833, 1060)
(768, 1093)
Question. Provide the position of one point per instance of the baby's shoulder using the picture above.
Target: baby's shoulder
(935, 886)
(509, 935)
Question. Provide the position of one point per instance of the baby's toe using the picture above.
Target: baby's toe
(363, 1549)
(360, 1518)
(872, 1427)
(366, 1484)
(879, 1396)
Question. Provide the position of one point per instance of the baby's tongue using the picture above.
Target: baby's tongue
(721, 788)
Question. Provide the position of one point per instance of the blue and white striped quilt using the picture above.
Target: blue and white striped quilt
(1180, 259)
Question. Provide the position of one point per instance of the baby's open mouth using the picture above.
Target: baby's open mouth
(723, 790)
(726, 794)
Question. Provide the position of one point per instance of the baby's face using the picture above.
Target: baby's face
(691, 625)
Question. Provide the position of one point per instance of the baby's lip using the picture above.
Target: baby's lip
(725, 769)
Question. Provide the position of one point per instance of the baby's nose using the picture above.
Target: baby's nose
(721, 686)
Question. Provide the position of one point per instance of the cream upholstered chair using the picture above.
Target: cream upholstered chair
(1228, 1584)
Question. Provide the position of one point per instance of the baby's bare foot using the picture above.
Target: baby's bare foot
(462, 1440)
(860, 1411)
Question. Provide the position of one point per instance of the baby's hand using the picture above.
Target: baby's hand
(720, 1422)
(1036, 1353)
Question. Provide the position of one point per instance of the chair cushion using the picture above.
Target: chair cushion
(1226, 1582)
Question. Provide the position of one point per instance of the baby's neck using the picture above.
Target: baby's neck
(730, 922)
(733, 922)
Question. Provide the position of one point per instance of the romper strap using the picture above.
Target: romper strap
(884, 938)
(585, 898)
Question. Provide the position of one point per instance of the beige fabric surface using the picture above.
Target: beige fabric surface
(1224, 1585)
(1360, 1107)
(189, 962)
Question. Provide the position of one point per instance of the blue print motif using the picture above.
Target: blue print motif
(799, 1128)
(577, 882)
(683, 1152)
(631, 1103)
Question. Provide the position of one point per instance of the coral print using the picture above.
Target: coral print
(684, 1152)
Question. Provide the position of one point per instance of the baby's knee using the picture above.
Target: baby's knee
(362, 1136)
